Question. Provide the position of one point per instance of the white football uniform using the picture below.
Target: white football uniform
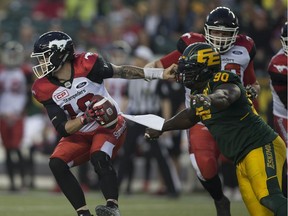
(73, 96)
(13, 92)
(278, 70)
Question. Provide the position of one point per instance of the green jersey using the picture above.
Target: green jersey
(237, 129)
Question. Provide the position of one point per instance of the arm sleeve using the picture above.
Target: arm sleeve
(249, 74)
(279, 83)
(252, 52)
(100, 70)
(57, 117)
(170, 59)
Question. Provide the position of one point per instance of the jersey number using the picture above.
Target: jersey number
(221, 76)
(234, 68)
(82, 104)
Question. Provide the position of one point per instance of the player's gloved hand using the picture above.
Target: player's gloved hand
(100, 115)
(89, 114)
(251, 92)
(199, 100)
(151, 134)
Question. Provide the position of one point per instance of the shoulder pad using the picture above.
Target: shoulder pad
(245, 41)
(84, 62)
(278, 64)
(42, 90)
(187, 39)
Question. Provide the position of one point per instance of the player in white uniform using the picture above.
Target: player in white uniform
(237, 53)
(65, 86)
(278, 70)
(13, 99)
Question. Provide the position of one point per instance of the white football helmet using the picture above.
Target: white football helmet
(223, 21)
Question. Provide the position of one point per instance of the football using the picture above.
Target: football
(110, 116)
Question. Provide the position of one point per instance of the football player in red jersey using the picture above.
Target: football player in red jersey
(237, 53)
(65, 85)
(278, 70)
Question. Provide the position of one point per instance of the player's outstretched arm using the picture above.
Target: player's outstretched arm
(183, 120)
(224, 95)
(133, 72)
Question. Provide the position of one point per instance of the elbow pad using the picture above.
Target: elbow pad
(57, 117)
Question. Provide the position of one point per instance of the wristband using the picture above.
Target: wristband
(153, 73)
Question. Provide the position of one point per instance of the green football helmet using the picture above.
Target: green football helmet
(198, 63)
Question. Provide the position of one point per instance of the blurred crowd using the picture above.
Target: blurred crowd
(125, 32)
(94, 24)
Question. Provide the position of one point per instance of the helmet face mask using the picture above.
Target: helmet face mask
(52, 50)
(223, 43)
(189, 73)
(45, 66)
(197, 64)
(221, 29)
(284, 38)
(12, 54)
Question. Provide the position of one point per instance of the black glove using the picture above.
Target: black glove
(199, 100)
(251, 92)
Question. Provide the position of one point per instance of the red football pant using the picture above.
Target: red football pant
(12, 134)
(77, 148)
(205, 150)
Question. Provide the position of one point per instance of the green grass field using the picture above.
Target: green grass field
(39, 203)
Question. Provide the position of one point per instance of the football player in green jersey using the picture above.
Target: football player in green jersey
(219, 100)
